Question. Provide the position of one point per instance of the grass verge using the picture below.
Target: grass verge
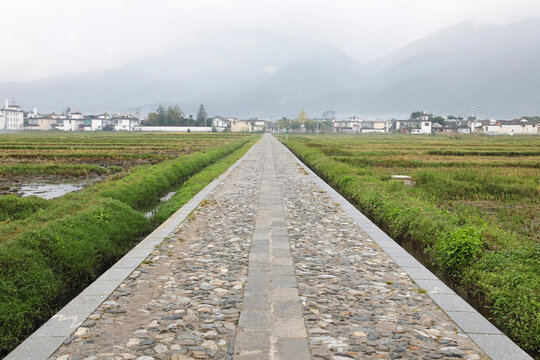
(48, 256)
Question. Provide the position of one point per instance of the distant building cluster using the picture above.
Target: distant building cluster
(423, 125)
(12, 117)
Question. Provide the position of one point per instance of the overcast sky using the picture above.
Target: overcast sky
(43, 38)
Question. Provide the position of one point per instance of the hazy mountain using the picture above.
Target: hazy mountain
(217, 70)
(249, 72)
(495, 70)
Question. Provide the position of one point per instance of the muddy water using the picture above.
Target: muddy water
(48, 191)
(46, 187)
(150, 214)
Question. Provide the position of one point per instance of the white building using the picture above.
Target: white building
(69, 124)
(357, 125)
(220, 122)
(413, 126)
(508, 127)
(124, 122)
(11, 117)
(354, 124)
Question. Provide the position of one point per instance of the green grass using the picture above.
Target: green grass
(14, 208)
(56, 169)
(51, 249)
(477, 223)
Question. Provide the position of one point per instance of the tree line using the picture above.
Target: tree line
(303, 123)
(174, 116)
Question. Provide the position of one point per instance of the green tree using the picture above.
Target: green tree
(438, 119)
(416, 114)
(310, 125)
(201, 116)
(172, 116)
(302, 116)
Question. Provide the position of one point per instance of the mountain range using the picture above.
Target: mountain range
(494, 70)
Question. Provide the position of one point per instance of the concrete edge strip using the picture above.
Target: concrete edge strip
(490, 339)
(51, 335)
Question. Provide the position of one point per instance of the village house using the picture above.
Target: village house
(251, 125)
(413, 126)
(356, 125)
(507, 127)
(220, 122)
(352, 125)
(124, 122)
(375, 126)
(11, 117)
(42, 123)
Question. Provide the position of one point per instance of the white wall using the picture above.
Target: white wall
(195, 129)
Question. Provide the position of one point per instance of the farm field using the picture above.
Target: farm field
(470, 210)
(128, 184)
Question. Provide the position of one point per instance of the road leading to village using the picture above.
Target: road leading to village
(268, 266)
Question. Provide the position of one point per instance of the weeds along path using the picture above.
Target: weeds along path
(268, 267)
(51, 250)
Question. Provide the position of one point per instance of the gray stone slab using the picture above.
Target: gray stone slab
(82, 305)
(255, 320)
(260, 257)
(473, 323)
(397, 251)
(253, 288)
(280, 245)
(451, 302)
(259, 266)
(419, 273)
(284, 281)
(281, 252)
(260, 249)
(256, 302)
(253, 356)
(407, 261)
(287, 309)
(434, 286)
(290, 327)
(292, 349)
(36, 347)
(282, 261)
(141, 251)
(129, 262)
(280, 238)
(499, 347)
(61, 325)
(251, 342)
(115, 273)
(284, 294)
(279, 232)
(257, 276)
(388, 245)
(283, 270)
(100, 287)
(262, 235)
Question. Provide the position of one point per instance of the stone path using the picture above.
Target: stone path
(271, 323)
(268, 267)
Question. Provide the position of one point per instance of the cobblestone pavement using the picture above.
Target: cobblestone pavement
(357, 302)
(268, 267)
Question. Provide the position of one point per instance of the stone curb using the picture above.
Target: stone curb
(490, 339)
(51, 335)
